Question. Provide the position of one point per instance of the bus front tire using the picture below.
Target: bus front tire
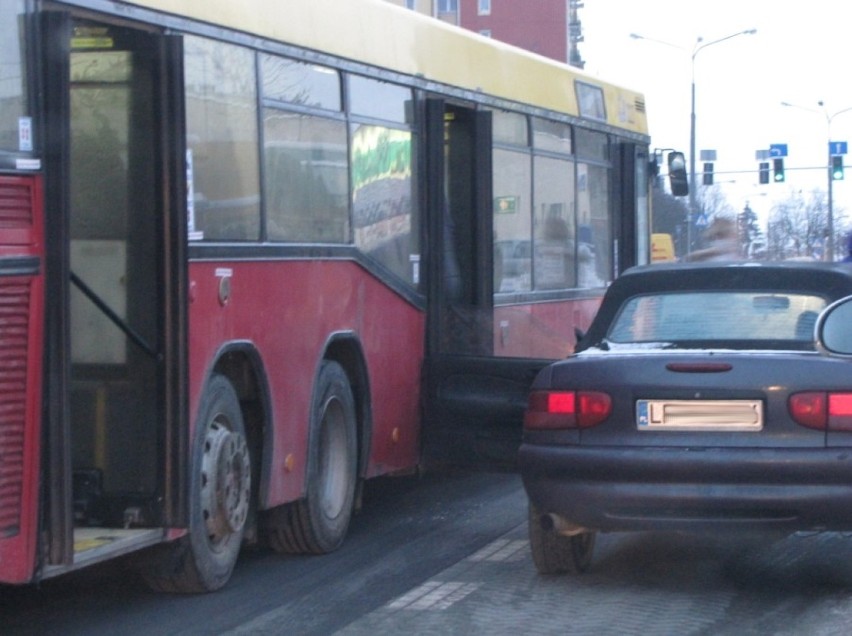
(220, 487)
(318, 523)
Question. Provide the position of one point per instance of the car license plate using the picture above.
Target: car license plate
(699, 415)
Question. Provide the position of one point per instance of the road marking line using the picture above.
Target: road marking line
(434, 595)
(502, 550)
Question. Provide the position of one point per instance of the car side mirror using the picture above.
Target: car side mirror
(834, 328)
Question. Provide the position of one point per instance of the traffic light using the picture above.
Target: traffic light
(837, 168)
(677, 174)
(778, 170)
(708, 174)
(764, 172)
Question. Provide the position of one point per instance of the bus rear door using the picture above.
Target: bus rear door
(474, 400)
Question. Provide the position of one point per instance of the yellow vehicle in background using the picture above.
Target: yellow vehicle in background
(662, 248)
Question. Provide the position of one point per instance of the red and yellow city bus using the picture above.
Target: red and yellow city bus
(254, 253)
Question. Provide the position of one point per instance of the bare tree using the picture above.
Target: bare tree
(712, 204)
(712, 201)
(798, 227)
(670, 216)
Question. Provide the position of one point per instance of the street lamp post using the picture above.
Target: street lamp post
(700, 45)
(829, 247)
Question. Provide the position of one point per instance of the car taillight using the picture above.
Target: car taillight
(822, 410)
(566, 409)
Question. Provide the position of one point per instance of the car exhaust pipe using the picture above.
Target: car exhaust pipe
(551, 522)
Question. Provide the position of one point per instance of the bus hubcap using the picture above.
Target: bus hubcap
(226, 482)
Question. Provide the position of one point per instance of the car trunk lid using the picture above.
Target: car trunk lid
(703, 398)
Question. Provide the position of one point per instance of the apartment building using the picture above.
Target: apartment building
(548, 27)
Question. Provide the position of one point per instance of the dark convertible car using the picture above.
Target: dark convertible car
(696, 401)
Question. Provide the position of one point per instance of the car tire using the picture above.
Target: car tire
(554, 553)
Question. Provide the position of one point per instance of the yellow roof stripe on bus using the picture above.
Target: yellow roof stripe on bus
(381, 34)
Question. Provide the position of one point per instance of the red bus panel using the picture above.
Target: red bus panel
(21, 305)
(287, 310)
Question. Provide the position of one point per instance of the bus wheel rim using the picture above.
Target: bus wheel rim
(334, 464)
(225, 482)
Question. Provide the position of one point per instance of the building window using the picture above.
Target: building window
(485, 32)
(410, 4)
(448, 6)
(483, 7)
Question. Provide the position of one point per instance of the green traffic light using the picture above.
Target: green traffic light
(837, 168)
(778, 170)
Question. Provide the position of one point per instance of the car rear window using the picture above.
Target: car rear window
(725, 316)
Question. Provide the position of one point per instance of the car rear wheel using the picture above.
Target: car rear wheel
(554, 553)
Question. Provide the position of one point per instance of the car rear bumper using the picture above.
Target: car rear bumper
(691, 489)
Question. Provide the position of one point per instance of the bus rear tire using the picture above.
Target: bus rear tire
(220, 492)
(318, 523)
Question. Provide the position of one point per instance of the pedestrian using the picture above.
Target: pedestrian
(721, 240)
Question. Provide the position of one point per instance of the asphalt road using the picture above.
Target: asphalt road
(408, 530)
(449, 555)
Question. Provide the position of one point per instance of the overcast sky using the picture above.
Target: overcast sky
(798, 55)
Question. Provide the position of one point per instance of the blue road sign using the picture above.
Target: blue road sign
(777, 150)
(836, 148)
